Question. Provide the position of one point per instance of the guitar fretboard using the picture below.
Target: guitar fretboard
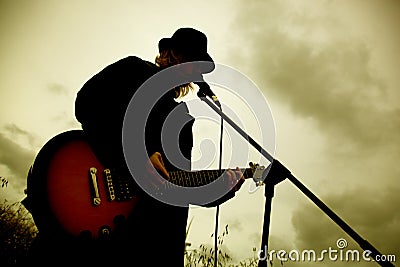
(200, 178)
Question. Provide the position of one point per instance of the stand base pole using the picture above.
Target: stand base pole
(263, 255)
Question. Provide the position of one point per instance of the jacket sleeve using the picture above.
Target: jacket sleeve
(105, 96)
(101, 104)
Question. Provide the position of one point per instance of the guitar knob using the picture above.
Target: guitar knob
(105, 232)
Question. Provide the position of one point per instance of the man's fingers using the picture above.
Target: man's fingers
(235, 179)
(240, 177)
(158, 163)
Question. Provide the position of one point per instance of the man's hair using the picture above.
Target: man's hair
(167, 58)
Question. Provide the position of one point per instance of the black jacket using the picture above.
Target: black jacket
(156, 230)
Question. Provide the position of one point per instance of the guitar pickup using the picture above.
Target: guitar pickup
(109, 183)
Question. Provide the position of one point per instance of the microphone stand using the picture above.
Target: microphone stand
(269, 193)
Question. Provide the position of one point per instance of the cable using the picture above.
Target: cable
(204, 91)
(217, 211)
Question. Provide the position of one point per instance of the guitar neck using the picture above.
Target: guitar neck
(200, 178)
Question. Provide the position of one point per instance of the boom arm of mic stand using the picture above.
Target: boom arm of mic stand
(364, 244)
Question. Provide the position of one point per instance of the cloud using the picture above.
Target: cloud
(235, 224)
(318, 69)
(58, 89)
(308, 59)
(378, 224)
(21, 136)
(14, 157)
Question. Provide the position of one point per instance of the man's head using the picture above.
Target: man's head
(186, 45)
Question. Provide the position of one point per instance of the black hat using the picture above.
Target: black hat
(191, 43)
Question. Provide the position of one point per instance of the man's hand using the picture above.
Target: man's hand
(235, 179)
(234, 182)
(156, 168)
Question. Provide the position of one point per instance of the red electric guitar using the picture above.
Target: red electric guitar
(69, 189)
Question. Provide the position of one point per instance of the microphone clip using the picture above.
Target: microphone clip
(205, 90)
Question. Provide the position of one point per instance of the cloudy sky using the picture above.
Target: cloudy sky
(328, 69)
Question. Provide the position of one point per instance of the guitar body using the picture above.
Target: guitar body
(69, 195)
(70, 192)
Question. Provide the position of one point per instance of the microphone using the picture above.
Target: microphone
(205, 90)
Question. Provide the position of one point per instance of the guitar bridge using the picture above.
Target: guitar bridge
(95, 189)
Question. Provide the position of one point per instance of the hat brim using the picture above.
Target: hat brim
(168, 43)
(206, 62)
